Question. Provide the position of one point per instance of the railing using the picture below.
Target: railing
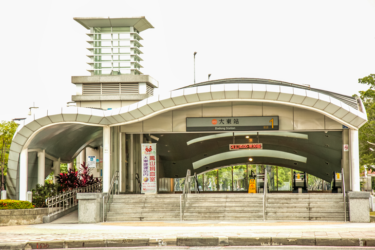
(265, 186)
(196, 186)
(109, 196)
(68, 199)
(343, 191)
(184, 195)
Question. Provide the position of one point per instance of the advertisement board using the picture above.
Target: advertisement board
(91, 161)
(252, 186)
(149, 176)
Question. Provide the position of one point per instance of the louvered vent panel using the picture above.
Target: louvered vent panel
(150, 90)
(91, 89)
(129, 88)
(110, 89)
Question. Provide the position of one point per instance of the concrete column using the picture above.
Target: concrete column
(24, 168)
(106, 158)
(121, 170)
(41, 167)
(56, 169)
(70, 166)
(132, 172)
(354, 159)
(82, 157)
(345, 163)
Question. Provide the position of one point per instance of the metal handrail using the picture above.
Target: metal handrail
(196, 189)
(343, 191)
(68, 199)
(265, 193)
(107, 197)
(184, 195)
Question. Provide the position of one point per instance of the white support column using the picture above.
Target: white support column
(120, 162)
(41, 167)
(106, 158)
(354, 159)
(70, 166)
(82, 157)
(56, 169)
(24, 174)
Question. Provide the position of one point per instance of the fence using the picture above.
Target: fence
(68, 199)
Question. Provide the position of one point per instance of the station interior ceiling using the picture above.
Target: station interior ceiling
(322, 150)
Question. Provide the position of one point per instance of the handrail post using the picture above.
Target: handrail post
(180, 207)
(343, 191)
(265, 193)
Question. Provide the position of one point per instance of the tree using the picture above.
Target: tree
(366, 132)
(7, 130)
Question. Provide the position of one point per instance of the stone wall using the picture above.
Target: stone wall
(14, 217)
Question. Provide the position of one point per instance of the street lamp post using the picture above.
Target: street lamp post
(194, 66)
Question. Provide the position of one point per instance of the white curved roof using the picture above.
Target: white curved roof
(308, 99)
(272, 93)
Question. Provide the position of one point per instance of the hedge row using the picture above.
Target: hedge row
(15, 204)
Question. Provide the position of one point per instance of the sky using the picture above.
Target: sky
(326, 44)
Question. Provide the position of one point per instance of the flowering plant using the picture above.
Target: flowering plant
(15, 204)
(74, 179)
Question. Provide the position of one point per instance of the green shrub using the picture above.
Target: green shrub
(41, 193)
(15, 204)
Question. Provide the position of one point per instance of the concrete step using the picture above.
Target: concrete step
(143, 219)
(305, 194)
(224, 209)
(227, 204)
(175, 204)
(306, 209)
(317, 202)
(304, 214)
(311, 205)
(148, 215)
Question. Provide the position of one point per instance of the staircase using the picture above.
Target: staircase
(313, 206)
(227, 207)
(221, 207)
(138, 207)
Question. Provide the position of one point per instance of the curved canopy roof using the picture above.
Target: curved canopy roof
(349, 100)
(343, 109)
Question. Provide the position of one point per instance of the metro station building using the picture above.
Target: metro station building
(236, 124)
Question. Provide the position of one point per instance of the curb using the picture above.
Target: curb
(192, 242)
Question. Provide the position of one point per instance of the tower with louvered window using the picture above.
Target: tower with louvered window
(114, 52)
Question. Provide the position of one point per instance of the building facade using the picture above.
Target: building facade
(193, 128)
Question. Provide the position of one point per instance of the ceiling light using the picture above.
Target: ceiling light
(250, 159)
(154, 137)
(247, 137)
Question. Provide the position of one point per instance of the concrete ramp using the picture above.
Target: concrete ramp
(71, 218)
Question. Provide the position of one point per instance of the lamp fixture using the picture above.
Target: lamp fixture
(250, 159)
(154, 137)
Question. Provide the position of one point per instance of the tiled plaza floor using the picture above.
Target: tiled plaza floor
(171, 230)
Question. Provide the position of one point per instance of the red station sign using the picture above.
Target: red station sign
(246, 146)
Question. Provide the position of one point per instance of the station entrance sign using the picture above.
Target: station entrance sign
(242, 123)
(246, 146)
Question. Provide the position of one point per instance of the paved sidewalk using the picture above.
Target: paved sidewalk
(185, 229)
(170, 232)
